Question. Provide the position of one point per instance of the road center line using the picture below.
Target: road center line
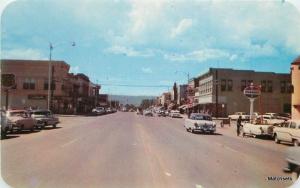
(68, 143)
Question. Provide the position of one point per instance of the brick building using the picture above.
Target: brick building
(69, 92)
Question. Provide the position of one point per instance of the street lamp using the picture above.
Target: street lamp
(50, 71)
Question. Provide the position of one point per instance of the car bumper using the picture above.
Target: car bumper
(205, 130)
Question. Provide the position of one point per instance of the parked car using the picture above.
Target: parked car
(257, 129)
(175, 114)
(148, 113)
(6, 124)
(284, 116)
(288, 131)
(98, 111)
(198, 122)
(21, 120)
(271, 120)
(293, 162)
(44, 118)
(108, 110)
(236, 116)
(161, 113)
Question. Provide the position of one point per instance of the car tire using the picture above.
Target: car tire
(296, 142)
(21, 128)
(54, 125)
(277, 141)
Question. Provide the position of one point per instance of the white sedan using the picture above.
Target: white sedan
(200, 123)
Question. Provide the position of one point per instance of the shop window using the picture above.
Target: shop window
(263, 85)
(223, 85)
(270, 86)
(229, 85)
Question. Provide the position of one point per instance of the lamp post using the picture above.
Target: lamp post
(50, 72)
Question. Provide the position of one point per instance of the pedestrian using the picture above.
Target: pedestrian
(238, 125)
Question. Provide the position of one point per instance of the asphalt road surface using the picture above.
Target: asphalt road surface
(127, 150)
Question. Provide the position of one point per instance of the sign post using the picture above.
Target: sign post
(7, 82)
(252, 92)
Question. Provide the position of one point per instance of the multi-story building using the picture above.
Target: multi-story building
(182, 94)
(31, 88)
(166, 99)
(220, 91)
(295, 74)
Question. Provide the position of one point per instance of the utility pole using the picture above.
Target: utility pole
(217, 93)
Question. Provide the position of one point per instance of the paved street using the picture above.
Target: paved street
(128, 150)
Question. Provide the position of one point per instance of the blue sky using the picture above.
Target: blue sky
(136, 42)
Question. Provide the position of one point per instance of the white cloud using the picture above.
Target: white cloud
(128, 51)
(28, 54)
(147, 70)
(182, 26)
(201, 55)
(75, 69)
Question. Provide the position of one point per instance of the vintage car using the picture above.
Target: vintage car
(6, 124)
(148, 113)
(175, 114)
(236, 116)
(98, 111)
(44, 118)
(271, 120)
(288, 131)
(21, 120)
(198, 122)
(257, 129)
(293, 162)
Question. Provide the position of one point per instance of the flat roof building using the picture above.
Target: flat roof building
(220, 91)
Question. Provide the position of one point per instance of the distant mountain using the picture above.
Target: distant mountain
(126, 99)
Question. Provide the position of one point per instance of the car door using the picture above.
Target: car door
(280, 131)
(292, 131)
(286, 132)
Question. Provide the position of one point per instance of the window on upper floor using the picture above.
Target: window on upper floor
(263, 85)
(29, 83)
(229, 85)
(53, 85)
(270, 86)
(223, 85)
(243, 85)
(282, 86)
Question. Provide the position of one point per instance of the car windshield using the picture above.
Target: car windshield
(20, 113)
(201, 117)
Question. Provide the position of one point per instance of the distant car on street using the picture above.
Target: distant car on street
(44, 118)
(175, 114)
(271, 120)
(161, 113)
(293, 162)
(198, 122)
(236, 116)
(148, 113)
(21, 120)
(99, 111)
(288, 131)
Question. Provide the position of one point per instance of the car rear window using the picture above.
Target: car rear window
(41, 113)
